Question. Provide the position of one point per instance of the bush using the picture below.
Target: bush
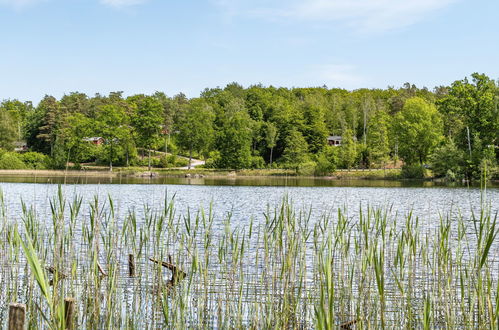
(167, 161)
(35, 160)
(213, 160)
(10, 161)
(181, 162)
(257, 162)
(414, 171)
(307, 168)
(325, 162)
(448, 161)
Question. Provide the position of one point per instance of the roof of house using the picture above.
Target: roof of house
(93, 138)
(334, 138)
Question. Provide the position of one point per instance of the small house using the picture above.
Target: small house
(96, 140)
(334, 140)
(20, 146)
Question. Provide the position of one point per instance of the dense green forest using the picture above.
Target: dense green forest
(452, 130)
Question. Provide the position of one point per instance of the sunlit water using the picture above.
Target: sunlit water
(245, 203)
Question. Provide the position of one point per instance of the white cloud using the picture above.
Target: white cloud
(361, 15)
(122, 3)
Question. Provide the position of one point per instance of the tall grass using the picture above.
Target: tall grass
(288, 269)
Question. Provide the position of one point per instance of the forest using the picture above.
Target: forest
(451, 131)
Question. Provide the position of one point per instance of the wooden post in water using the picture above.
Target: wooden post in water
(131, 265)
(17, 316)
(69, 313)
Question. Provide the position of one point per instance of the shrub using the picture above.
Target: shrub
(181, 162)
(414, 171)
(307, 168)
(257, 162)
(448, 159)
(35, 160)
(213, 160)
(10, 161)
(326, 162)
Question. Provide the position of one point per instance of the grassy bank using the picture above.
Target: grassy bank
(389, 174)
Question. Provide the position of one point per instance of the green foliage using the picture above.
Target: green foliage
(239, 126)
(195, 125)
(326, 161)
(378, 143)
(169, 161)
(112, 125)
(296, 151)
(35, 160)
(413, 171)
(448, 161)
(271, 136)
(213, 159)
(7, 130)
(10, 161)
(307, 168)
(417, 130)
(234, 140)
(349, 150)
(257, 162)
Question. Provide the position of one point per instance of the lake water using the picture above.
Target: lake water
(231, 283)
(244, 202)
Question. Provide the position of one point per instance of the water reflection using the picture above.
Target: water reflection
(236, 181)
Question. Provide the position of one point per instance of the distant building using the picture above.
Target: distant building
(334, 140)
(20, 146)
(97, 140)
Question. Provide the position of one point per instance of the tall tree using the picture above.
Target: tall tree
(418, 130)
(7, 130)
(271, 138)
(112, 125)
(44, 125)
(195, 127)
(296, 151)
(234, 138)
(147, 121)
(378, 132)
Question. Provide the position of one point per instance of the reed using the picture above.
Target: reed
(287, 269)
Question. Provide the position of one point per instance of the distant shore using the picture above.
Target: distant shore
(388, 174)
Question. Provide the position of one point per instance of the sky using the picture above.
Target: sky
(56, 47)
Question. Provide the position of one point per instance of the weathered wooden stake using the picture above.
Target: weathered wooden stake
(69, 310)
(131, 265)
(17, 316)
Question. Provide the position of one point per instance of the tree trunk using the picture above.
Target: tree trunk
(111, 158)
(271, 150)
(149, 166)
(190, 158)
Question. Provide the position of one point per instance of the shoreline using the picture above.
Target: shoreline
(389, 174)
(386, 175)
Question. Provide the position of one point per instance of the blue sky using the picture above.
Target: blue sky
(141, 46)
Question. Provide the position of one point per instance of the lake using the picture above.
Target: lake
(251, 197)
(269, 254)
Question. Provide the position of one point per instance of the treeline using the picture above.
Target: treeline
(451, 129)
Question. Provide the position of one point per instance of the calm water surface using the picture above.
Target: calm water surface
(244, 202)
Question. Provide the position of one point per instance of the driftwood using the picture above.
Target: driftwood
(58, 275)
(348, 325)
(17, 316)
(177, 273)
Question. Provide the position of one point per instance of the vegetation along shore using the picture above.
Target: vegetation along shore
(450, 132)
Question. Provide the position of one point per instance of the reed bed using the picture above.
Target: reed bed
(288, 269)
